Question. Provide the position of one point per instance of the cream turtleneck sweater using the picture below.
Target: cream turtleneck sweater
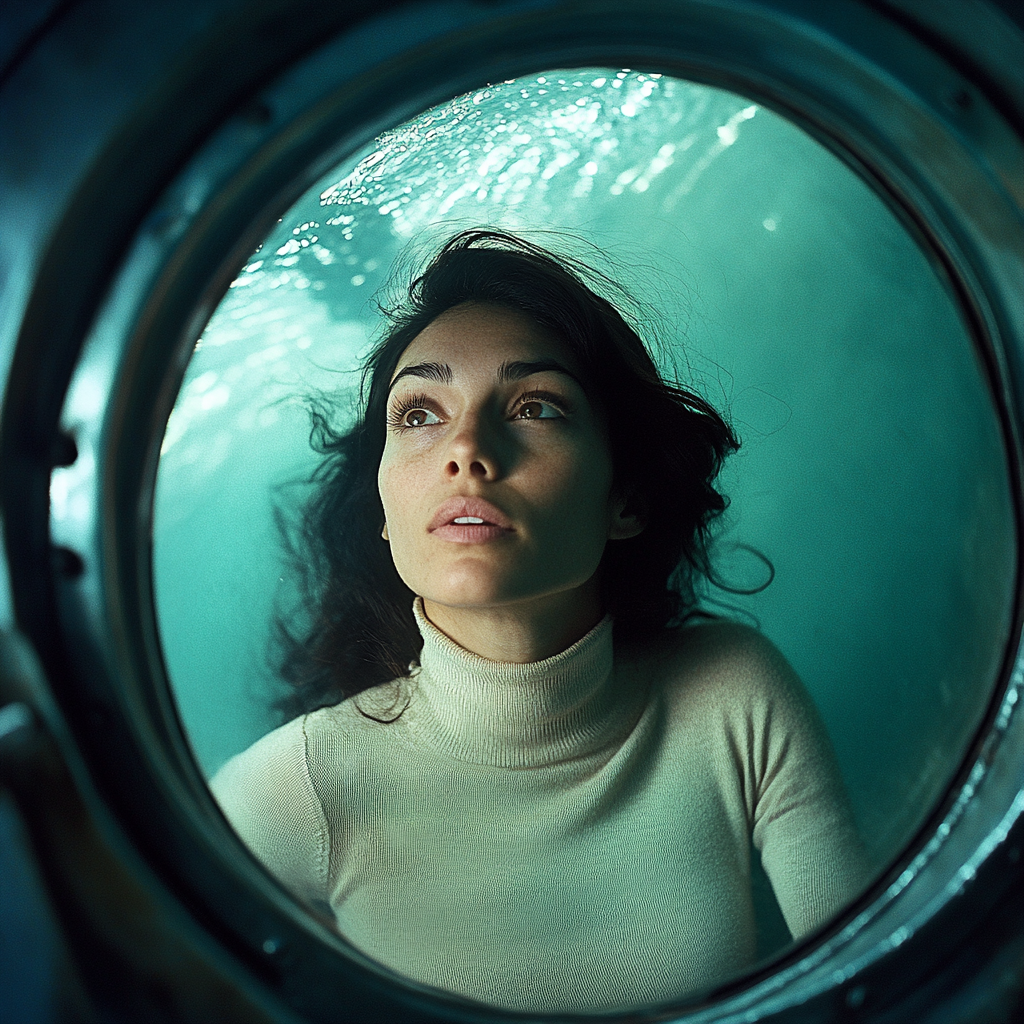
(566, 835)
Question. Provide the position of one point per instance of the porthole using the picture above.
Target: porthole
(778, 198)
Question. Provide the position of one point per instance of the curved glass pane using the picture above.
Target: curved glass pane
(775, 282)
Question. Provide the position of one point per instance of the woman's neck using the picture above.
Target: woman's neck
(521, 631)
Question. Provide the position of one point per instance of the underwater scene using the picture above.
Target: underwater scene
(766, 275)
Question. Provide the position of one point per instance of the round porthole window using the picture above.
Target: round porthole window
(810, 225)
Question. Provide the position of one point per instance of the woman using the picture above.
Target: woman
(495, 797)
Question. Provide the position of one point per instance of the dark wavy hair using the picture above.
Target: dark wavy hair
(353, 627)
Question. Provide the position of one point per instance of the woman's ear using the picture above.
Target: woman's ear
(629, 515)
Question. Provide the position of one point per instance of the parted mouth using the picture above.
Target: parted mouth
(466, 511)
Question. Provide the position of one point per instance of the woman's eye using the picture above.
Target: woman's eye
(537, 410)
(419, 418)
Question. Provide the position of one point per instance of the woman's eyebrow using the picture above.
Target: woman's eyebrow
(508, 373)
(518, 369)
(441, 372)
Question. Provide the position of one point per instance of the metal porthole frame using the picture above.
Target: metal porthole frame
(168, 207)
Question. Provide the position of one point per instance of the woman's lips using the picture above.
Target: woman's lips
(467, 520)
(469, 533)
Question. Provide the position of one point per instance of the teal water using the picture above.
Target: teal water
(872, 472)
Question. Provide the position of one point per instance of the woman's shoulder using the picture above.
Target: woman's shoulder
(718, 659)
(357, 720)
(725, 682)
(284, 755)
(266, 793)
(270, 752)
(717, 646)
(272, 769)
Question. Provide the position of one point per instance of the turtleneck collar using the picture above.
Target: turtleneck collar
(518, 715)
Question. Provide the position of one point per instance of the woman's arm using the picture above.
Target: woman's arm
(802, 820)
(796, 803)
(267, 795)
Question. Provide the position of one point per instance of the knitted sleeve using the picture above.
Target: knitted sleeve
(266, 794)
(797, 805)
(778, 752)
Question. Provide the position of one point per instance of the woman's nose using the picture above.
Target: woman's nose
(474, 451)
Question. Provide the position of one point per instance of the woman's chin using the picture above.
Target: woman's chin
(465, 597)
(469, 584)
(474, 591)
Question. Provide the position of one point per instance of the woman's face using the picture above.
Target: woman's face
(496, 477)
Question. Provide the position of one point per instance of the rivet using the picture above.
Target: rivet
(66, 562)
(258, 112)
(63, 451)
(855, 996)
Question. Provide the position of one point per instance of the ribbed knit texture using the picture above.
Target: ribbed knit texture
(571, 834)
